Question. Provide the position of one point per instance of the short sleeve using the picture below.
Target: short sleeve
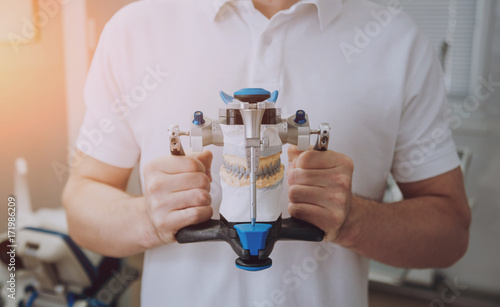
(106, 134)
(424, 147)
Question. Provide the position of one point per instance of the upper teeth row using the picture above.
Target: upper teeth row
(268, 170)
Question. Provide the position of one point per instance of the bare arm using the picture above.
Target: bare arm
(97, 208)
(104, 218)
(429, 228)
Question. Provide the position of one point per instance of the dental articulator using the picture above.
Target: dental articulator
(252, 132)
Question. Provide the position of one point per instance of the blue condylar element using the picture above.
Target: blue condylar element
(274, 97)
(268, 96)
(253, 237)
(226, 97)
(252, 91)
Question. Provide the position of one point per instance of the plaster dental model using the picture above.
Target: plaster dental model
(235, 176)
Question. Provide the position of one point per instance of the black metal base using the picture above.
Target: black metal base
(222, 230)
(253, 264)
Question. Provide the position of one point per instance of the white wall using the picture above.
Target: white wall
(33, 112)
(480, 268)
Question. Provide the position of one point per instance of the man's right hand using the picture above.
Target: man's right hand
(177, 193)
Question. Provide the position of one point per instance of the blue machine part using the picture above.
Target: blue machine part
(32, 298)
(253, 269)
(78, 253)
(198, 118)
(300, 117)
(253, 237)
(274, 97)
(226, 97)
(252, 91)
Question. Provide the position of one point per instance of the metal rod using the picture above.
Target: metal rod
(253, 187)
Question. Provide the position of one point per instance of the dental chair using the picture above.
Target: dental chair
(51, 269)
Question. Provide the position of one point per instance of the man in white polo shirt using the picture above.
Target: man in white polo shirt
(363, 68)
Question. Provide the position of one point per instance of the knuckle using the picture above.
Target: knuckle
(348, 163)
(155, 164)
(338, 216)
(191, 164)
(201, 197)
(294, 193)
(203, 180)
(340, 180)
(331, 218)
(332, 177)
(195, 215)
(297, 211)
(158, 222)
(342, 198)
(154, 204)
(338, 198)
(293, 209)
(292, 176)
(330, 198)
(154, 184)
(344, 181)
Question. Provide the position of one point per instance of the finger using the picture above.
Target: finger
(311, 177)
(318, 216)
(182, 200)
(177, 182)
(313, 159)
(307, 194)
(293, 153)
(205, 158)
(179, 219)
(175, 165)
(335, 179)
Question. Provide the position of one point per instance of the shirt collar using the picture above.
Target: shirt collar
(216, 7)
(328, 10)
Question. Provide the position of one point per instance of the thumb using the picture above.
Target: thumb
(205, 158)
(293, 153)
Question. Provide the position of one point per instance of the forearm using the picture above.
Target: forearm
(105, 219)
(417, 232)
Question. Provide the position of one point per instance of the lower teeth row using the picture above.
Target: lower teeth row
(240, 171)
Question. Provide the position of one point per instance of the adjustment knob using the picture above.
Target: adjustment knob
(198, 118)
(300, 117)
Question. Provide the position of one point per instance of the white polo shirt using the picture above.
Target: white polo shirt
(363, 68)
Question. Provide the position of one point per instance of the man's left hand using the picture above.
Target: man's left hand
(320, 189)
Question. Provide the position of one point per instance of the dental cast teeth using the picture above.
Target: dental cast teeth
(263, 172)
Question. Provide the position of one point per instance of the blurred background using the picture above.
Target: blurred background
(46, 47)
